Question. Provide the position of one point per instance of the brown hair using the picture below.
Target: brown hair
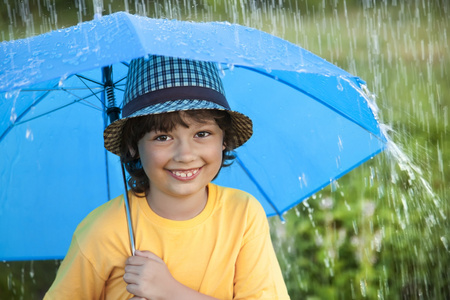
(135, 128)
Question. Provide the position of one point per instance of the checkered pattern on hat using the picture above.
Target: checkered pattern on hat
(160, 72)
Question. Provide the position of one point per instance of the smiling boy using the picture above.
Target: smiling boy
(179, 165)
(197, 240)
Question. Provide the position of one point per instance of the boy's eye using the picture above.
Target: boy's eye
(202, 134)
(161, 138)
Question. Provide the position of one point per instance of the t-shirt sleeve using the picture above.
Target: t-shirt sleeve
(76, 278)
(258, 274)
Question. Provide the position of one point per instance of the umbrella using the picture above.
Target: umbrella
(313, 122)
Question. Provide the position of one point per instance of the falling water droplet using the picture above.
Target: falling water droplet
(29, 135)
(347, 206)
(341, 147)
(355, 227)
(13, 115)
(339, 85)
(61, 80)
(32, 270)
(363, 286)
(445, 242)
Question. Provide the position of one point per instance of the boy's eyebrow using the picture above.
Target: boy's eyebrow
(160, 131)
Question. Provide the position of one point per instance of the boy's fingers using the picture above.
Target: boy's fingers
(130, 278)
(132, 288)
(135, 260)
(132, 269)
(148, 254)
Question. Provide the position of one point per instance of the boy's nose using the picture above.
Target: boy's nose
(185, 152)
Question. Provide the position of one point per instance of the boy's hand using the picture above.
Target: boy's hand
(148, 276)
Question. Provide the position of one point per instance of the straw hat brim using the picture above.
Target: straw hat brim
(241, 124)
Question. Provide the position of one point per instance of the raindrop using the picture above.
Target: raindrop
(61, 80)
(445, 242)
(363, 286)
(302, 180)
(347, 206)
(13, 115)
(334, 185)
(32, 270)
(355, 227)
(352, 288)
(9, 281)
(338, 162)
(340, 143)
(372, 176)
(339, 85)
(29, 135)
(377, 241)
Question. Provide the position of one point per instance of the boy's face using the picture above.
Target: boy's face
(181, 162)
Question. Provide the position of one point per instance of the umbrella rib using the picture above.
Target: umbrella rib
(313, 97)
(61, 107)
(121, 79)
(259, 187)
(17, 120)
(95, 94)
(36, 102)
(88, 79)
(48, 112)
(56, 89)
(81, 77)
(84, 98)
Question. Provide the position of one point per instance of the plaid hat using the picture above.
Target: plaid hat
(161, 84)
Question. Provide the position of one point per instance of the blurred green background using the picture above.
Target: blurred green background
(380, 232)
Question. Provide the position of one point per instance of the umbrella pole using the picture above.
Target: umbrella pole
(127, 208)
(113, 112)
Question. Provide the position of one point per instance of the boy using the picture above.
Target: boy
(198, 240)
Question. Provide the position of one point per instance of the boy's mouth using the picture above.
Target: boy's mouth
(185, 174)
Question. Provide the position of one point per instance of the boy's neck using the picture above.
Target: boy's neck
(178, 208)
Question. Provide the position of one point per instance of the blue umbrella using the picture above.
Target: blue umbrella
(313, 122)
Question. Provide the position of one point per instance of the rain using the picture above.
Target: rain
(381, 231)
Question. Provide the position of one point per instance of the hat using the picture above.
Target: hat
(161, 84)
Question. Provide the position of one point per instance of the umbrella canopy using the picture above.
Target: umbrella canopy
(313, 121)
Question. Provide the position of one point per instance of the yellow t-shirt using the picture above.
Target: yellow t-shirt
(224, 252)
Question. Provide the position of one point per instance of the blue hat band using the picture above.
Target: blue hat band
(173, 94)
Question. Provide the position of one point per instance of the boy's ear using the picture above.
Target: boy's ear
(132, 151)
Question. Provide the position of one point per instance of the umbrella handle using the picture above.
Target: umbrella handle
(127, 209)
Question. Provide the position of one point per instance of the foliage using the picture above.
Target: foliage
(384, 233)
(380, 232)
(26, 279)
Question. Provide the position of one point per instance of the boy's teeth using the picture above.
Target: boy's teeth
(185, 174)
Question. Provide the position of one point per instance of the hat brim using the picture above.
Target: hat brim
(241, 124)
